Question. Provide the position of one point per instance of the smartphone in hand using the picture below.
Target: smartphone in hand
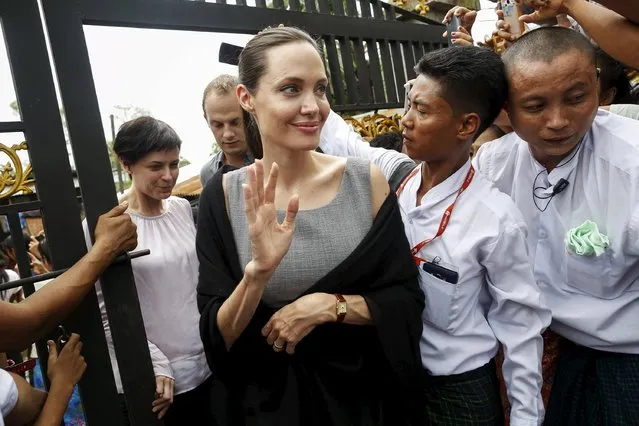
(453, 26)
(512, 12)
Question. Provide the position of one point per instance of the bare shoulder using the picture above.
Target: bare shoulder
(379, 189)
(332, 167)
(329, 161)
(333, 171)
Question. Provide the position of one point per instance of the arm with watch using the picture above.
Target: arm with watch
(361, 319)
(270, 242)
(294, 321)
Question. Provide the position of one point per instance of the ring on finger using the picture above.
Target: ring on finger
(277, 348)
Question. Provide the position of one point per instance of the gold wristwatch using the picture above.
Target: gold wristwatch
(341, 307)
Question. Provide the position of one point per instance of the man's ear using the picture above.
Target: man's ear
(469, 125)
(608, 96)
(245, 98)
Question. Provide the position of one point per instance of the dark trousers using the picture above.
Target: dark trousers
(466, 399)
(594, 388)
(192, 408)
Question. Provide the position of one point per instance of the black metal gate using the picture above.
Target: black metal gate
(369, 55)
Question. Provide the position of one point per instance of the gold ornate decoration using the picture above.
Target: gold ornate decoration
(400, 3)
(372, 125)
(422, 8)
(14, 177)
(495, 43)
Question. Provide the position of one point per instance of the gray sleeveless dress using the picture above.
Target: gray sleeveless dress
(323, 238)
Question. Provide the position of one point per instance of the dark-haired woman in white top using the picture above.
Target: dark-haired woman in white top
(166, 280)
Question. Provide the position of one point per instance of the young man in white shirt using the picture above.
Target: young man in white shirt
(469, 242)
(574, 174)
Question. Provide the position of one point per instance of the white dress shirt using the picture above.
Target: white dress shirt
(166, 281)
(495, 299)
(594, 299)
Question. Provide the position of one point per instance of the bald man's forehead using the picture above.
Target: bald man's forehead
(546, 72)
(549, 59)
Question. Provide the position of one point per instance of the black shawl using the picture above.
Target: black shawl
(340, 374)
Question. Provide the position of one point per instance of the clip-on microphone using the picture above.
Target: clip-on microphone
(559, 186)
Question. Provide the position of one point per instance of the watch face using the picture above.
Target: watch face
(341, 308)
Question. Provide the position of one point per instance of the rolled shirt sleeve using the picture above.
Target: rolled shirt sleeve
(338, 138)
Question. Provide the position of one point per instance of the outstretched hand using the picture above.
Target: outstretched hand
(544, 9)
(466, 17)
(462, 37)
(270, 240)
(503, 30)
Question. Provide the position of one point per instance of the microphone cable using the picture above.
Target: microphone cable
(558, 188)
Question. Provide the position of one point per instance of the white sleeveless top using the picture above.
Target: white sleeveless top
(166, 282)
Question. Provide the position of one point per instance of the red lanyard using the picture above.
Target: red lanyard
(445, 217)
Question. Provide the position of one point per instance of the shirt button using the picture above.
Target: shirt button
(542, 234)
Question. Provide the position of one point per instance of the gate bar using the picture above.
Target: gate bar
(64, 21)
(35, 91)
(54, 274)
(11, 126)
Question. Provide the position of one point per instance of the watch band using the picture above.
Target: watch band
(340, 307)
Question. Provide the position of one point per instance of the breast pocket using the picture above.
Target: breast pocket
(592, 275)
(439, 296)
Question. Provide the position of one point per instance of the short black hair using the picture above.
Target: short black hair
(613, 76)
(143, 135)
(472, 79)
(388, 140)
(547, 43)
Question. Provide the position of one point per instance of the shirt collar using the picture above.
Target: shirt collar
(439, 192)
(563, 170)
(219, 159)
